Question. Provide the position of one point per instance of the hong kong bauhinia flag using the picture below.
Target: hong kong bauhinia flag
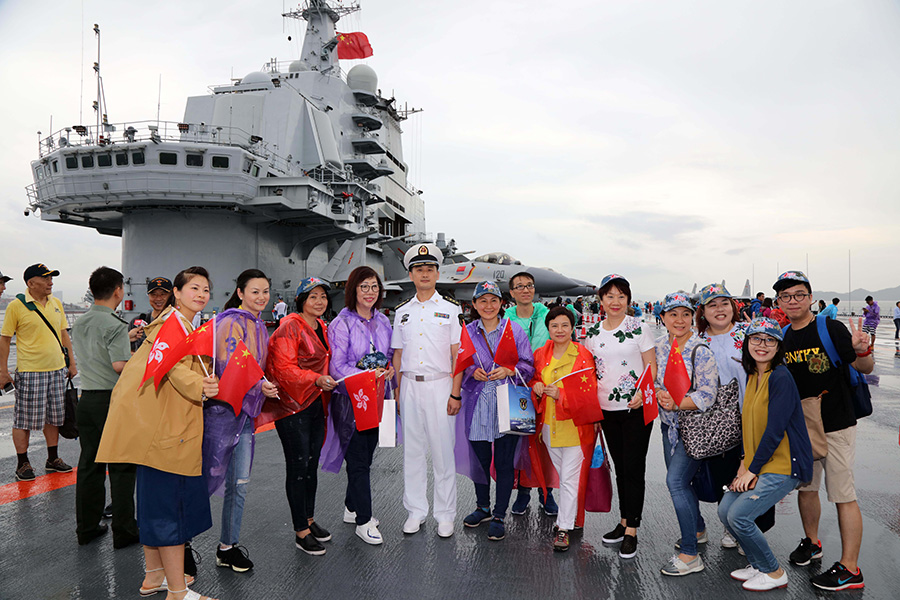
(170, 335)
(366, 391)
(241, 373)
(353, 45)
(507, 355)
(465, 356)
(648, 391)
(676, 378)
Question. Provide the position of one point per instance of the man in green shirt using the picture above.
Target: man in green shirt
(530, 316)
(102, 347)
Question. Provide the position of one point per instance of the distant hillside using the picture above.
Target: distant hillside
(891, 295)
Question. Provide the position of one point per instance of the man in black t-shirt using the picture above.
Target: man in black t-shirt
(815, 375)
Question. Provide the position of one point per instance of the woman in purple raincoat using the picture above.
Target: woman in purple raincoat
(478, 437)
(360, 339)
(228, 439)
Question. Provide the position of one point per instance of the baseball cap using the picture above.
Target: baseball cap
(767, 326)
(311, 283)
(676, 299)
(159, 283)
(39, 270)
(4, 278)
(713, 291)
(789, 278)
(487, 287)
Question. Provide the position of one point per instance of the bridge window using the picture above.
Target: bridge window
(87, 161)
(168, 158)
(254, 170)
(104, 160)
(137, 157)
(38, 173)
(71, 162)
(220, 162)
(193, 160)
(121, 159)
(55, 165)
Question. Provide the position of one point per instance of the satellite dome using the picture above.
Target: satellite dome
(363, 77)
(297, 66)
(257, 77)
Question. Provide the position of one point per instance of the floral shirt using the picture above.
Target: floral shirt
(704, 377)
(727, 348)
(617, 356)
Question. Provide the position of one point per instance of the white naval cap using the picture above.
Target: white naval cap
(423, 254)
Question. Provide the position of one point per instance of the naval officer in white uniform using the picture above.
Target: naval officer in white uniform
(425, 341)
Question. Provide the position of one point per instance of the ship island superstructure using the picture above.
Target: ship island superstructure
(272, 171)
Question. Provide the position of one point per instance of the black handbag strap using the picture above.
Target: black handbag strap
(21, 298)
(694, 364)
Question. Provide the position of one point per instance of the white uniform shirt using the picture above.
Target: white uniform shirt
(424, 331)
(280, 309)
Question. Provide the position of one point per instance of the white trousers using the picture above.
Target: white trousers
(426, 425)
(567, 462)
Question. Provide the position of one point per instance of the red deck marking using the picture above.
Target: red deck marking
(266, 427)
(26, 489)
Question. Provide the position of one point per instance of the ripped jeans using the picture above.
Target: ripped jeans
(236, 479)
(738, 513)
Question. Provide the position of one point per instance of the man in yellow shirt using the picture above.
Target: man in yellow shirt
(39, 323)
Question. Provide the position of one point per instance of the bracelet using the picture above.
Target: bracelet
(456, 397)
(865, 354)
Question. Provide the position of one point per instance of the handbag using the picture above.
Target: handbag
(69, 428)
(812, 414)
(715, 430)
(598, 493)
(515, 410)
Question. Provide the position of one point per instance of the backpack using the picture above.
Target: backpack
(859, 387)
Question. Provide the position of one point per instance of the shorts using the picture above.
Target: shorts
(40, 399)
(838, 467)
(870, 329)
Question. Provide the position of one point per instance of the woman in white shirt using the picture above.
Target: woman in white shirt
(622, 347)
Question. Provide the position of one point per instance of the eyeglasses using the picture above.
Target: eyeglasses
(524, 286)
(768, 342)
(366, 288)
(799, 297)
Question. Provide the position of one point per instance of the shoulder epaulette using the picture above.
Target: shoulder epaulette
(403, 303)
(450, 299)
(124, 322)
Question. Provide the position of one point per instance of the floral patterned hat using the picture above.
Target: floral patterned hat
(487, 287)
(789, 278)
(676, 299)
(612, 277)
(310, 283)
(713, 291)
(767, 326)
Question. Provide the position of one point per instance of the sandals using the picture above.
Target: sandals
(164, 586)
(191, 595)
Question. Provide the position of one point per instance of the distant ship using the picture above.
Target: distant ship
(276, 171)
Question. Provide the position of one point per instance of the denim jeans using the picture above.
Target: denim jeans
(302, 435)
(504, 454)
(738, 512)
(360, 450)
(681, 470)
(236, 479)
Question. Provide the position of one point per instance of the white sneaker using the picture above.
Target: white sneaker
(741, 551)
(763, 583)
(445, 529)
(745, 574)
(728, 541)
(349, 516)
(412, 525)
(369, 533)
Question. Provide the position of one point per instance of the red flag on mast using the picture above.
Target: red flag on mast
(507, 354)
(241, 373)
(353, 45)
(465, 356)
(164, 350)
(676, 378)
(648, 391)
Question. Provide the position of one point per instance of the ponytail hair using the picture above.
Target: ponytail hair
(242, 280)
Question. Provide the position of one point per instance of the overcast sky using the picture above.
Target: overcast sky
(672, 142)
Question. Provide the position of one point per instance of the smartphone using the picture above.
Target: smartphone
(8, 388)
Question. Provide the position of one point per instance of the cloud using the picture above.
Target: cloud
(653, 226)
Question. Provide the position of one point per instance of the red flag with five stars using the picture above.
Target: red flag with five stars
(465, 356)
(676, 378)
(241, 373)
(578, 398)
(353, 45)
(507, 354)
(648, 391)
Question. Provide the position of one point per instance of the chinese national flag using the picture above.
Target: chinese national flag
(353, 45)
(241, 373)
(201, 340)
(164, 352)
(648, 391)
(676, 378)
(507, 355)
(465, 357)
(366, 391)
(578, 398)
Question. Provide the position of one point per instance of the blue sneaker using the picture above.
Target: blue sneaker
(496, 530)
(522, 500)
(549, 504)
(478, 516)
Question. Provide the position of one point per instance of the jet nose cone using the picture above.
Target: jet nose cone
(549, 282)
